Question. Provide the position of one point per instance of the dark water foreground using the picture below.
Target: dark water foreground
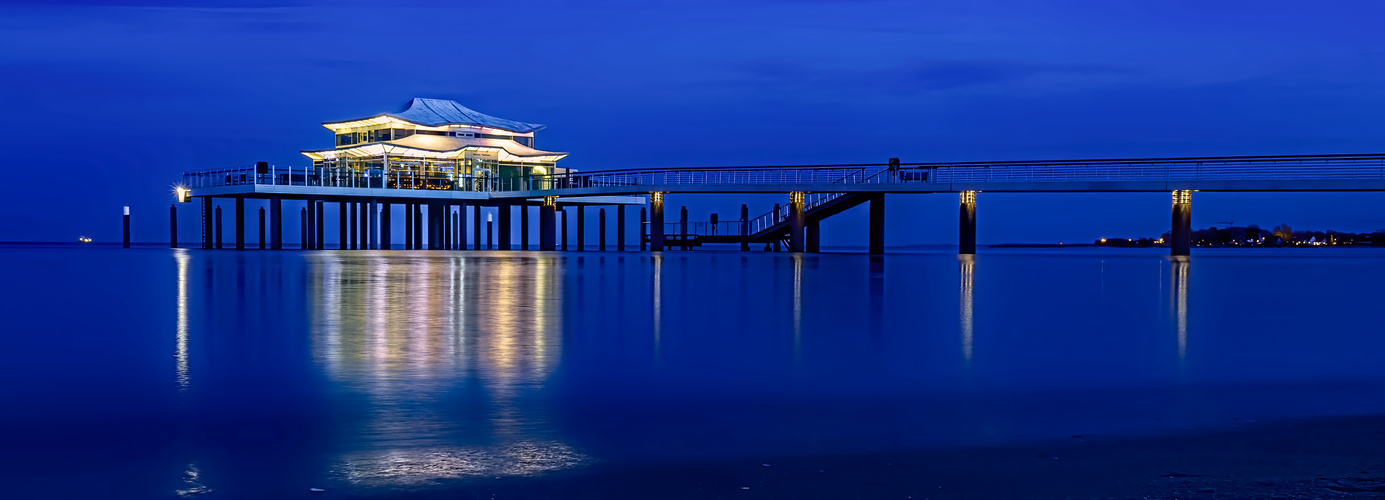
(179, 373)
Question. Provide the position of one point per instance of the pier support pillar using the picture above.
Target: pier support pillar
(303, 228)
(263, 242)
(966, 227)
(309, 223)
(385, 242)
(418, 226)
(343, 220)
(446, 220)
(812, 233)
(877, 224)
(207, 225)
(317, 225)
(644, 219)
(503, 235)
(656, 221)
(620, 228)
(797, 221)
(434, 226)
(523, 226)
(218, 228)
(683, 227)
(276, 223)
(490, 242)
(745, 228)
(373, 210)
(548, 218)
(408, 226)
(581, 228)
(240, 223)
(363, 242)
(461, 226)
(353, 226)
(777, 220)
(1181, 234)
(601, 230)
(173, 226)
(476, 226)
(562, 211)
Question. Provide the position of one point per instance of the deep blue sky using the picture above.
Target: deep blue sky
(107, 102)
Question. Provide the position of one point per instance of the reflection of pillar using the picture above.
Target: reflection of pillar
(877, 223)
(620, 228)
(656, 221)
(966, 230)
(1182, 233)
(745, 228)
(797, 221)
(504, 224)
(601, 230)
(1179, 274)
(240, 223)
(548, 217)
(967, 264)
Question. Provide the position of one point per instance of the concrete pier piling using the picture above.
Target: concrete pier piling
(173, 226)
(218, 228)
(683, 227)
(620, 228)
(548, 218)
(208, 226)
(601, 230)
(1181, 235)
(385, 241)
(343, 225)
(303, 228)
(321, 231)
(476, 227)
(461, 226)
(745, 228)
(240, 223)
(966, 227)
(581, 228)
(418, 226)
(523, 226)
(262, 242)
(644, 245)
(562, 211)
(276, 223)
(797, 221)
(877, 224)
(503, 234)
(656, 221)
(408, 226)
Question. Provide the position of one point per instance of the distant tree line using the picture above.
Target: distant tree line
(1253, 236)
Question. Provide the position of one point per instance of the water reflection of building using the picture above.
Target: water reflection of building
(445, 353)
(966, 268)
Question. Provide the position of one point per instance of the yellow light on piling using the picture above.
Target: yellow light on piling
(183, 194)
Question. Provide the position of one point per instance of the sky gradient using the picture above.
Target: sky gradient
(107, 103)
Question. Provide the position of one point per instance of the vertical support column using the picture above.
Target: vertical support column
(317, 225)
(563, 212)
(445, 234)
(303, 228)
(352, 226)
(263, 242)
(408, 226)
(364, 241)
(506, 211)
(343, 222)
(218, 228)
(777, 220)
(374, 220)
(683, 225)
(812, 233)
(434, 226)
(418, 226)
(476, 226)
(797, 221)
(581, 228)
(125, 224)
(208, 227)
(276, 223)
(601, 230)
(309, 232)
(1182, 232)
(644, 220)
(877, 224)
(548, 218)
(240, 223)
(489, 231)
(461, 226)
(457, 236)
(173, 226)
(385, 242)
(656, 222)
(620, 228)
(745, 228)
(966, 227)
(523, 226)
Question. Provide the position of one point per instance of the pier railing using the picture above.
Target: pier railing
(1273, 168)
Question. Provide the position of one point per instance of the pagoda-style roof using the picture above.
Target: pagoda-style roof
(436, 146)
(437, 113)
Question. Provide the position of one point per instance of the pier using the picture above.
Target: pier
(443, 164)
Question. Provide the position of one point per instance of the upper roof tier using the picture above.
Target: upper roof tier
(440, 112)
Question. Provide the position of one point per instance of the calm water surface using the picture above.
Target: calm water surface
(157, 373)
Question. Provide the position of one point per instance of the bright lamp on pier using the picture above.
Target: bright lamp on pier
(184, 194)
